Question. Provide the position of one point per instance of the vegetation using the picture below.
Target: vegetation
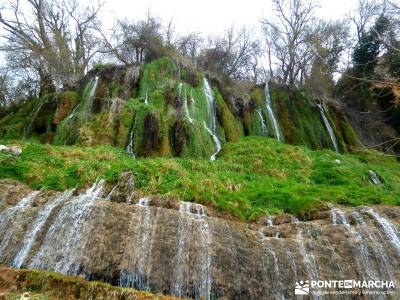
(252, 177)
(44, 285)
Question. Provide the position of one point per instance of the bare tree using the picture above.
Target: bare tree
(364, 16)
(190, 45)
(232, 54)
(53, 38)
(169, 33)
(131, 42)
(287, 38)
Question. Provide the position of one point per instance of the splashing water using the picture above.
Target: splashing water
(212, 114)
(328, 127)
(271, 113)
(36, 227)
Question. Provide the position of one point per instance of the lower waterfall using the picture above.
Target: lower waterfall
(182, 249)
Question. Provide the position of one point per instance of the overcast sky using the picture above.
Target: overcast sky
(210, 16)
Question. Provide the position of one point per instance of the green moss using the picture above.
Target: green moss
(232, 126)
(251, 177)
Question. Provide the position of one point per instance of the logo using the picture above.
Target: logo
(348, 284)
(302, 288)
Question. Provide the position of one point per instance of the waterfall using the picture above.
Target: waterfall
(212, 115)
(374, 178)
(185, 106)
(271, 113)
(36, 227)
(146, 95)
(378, 251)
(263, 125)
(328, 127)
(338, 217)
(64, 244)
(136, 275)
(129, 147)
(275, 278)
(7, 219)
(91, 94)
(308, 258)
(390, 231)
(192, 223)
(33, 118)
(73, 112)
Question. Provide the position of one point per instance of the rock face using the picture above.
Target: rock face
(186, 252)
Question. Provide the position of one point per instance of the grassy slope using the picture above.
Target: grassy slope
(251, 177)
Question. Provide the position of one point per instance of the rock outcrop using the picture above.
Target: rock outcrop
(179, 248)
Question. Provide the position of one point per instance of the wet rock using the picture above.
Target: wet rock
(177, 248)
(282, 219)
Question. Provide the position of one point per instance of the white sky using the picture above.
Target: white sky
(210, 16)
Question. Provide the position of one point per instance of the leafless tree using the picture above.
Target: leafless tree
(190, 45)
(231, 54)
(169, 33)
(53, 38)
(364, 15)
(287, 38)
(130, 42)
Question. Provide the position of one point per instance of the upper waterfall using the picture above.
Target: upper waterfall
(212, 122)
(328, 127)
(271, 113)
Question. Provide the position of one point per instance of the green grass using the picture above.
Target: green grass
(250, 178)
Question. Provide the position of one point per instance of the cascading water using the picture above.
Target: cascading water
(192, 221)
(309, 259)
(328, 127)
(146, 96)
(91, 95)
(212, 116)
(271, 113)
(263, 125)
(8, 215)
(188, 253)
(374, 177)
(129, 147)
(390, 231)
(36, 227)
(32, 119)
(64, 244)
(134, 273)
(185, 105)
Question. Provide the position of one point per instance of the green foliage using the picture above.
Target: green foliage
(367, 50)
(250, 178)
